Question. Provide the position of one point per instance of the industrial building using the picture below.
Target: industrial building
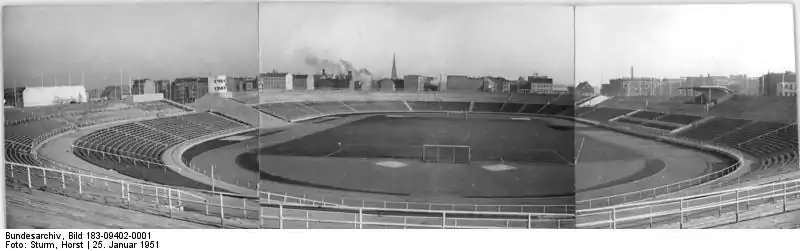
(302, 82)
(276, 80)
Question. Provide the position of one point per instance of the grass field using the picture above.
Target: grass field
(491, 139)
(538, 157)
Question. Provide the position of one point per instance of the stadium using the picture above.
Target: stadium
(346, 159)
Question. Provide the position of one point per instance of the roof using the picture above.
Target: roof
(726, 89)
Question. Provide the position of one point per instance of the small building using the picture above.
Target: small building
(584, 89)
(53, 95)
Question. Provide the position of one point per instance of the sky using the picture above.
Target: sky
(428, 39)
(689, 40)
(143, 40)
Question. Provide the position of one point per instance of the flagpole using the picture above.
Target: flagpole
(70, 78)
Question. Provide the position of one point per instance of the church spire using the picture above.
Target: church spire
(394, 67)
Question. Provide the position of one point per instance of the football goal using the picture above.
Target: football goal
(447, 153)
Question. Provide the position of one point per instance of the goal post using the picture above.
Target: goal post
(447, 153)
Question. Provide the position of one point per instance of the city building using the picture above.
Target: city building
(142, 86)
(629, 87)
(275, 80)
(768, 83)
(115, 92)
(787, 89)
(187, 90)
(463, 83)
(493, 84)
(414, 82)
(385, 85)
(538, 84)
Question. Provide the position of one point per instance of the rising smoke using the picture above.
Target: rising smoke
(343, 67)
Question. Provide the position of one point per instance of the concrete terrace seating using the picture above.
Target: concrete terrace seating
(748, 132)
(604, 114)
(288, 111)
(16, 152)
(455, 106)
(511, 107)
(646, 115)
(773, 142)
(376, 106)
(26, 133)
(487, 107)
(713, 128)
(14, 114)
(147, 139)
(425, 105)
(680, 118)
(328, 107)
(767, 108)
(156, 106)
(553, 109)
(531, 108)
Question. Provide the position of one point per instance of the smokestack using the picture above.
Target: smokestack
(323, 72)
(631, 71)
(350, 82)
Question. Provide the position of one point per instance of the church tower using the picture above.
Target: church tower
(394, 67)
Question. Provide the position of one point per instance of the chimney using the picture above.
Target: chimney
(631, 71)
(350, 83)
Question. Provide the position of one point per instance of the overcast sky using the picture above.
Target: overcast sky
(469, 39)
(689, 40)
(147, 40)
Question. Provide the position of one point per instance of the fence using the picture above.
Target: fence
(660, 190)
(318, 200)
(702, 211)
(287, 216)
(219, 209)
(230, 209)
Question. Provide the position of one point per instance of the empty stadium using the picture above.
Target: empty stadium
(198, 163)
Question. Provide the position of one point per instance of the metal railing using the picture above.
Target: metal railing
(232, 210)
(215, 208)
(287, 216)
(698, 211)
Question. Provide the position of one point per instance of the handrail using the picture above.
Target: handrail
(686, 206)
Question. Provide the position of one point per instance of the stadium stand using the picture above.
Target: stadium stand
(425, 105)
(376, 106)
(680, 118)
(487, 107)
(136, 147)
(553, 109)
(604, 114)
(646, 115)
(713, 128)
(511, 107)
